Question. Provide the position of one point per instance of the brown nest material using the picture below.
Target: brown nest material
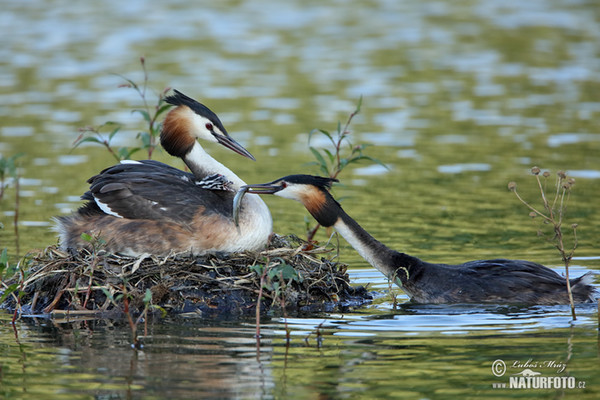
(60, 284)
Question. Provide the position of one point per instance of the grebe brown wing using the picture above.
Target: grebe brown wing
(155, 191)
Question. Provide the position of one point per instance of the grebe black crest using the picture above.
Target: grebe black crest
(481, 281)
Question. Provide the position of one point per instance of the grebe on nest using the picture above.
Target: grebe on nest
(482, 281)
(147, 207)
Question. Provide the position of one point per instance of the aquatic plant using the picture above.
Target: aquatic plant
(9, 169)
(332, 161)
(276, 275)
(552, 215)
(12, 281)
(148, 138)
(7, 271)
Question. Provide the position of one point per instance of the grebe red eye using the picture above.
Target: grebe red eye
(283, 185)
(209, 126)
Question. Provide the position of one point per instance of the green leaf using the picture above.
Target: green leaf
(284, 271)
(330, 155)
(131, 83)
(132, 151)
(92, 139)
(146, 140)
(324, 132)
(156, 129)
(161, 110)
(273, 272)
(343, 163)
(144, 114)
(107, 294)
(110, 123)
(148, 296)
(359, 105)
(8, 291)
(324, 170)
(123, 153)
(288, 272)
(318, 156)
(311, 133)
(374, 160)
(4, 258)
(258, 268)
(113, 133)
(9, 166)
(358, 148)
(86, 237)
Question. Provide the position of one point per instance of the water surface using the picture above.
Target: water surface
(459, 99)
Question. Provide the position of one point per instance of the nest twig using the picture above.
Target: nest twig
(91, 283)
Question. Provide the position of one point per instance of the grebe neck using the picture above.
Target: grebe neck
(202, 164)
(392, 264)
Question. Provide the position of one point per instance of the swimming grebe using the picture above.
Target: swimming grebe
(483, 281)
(147, 207)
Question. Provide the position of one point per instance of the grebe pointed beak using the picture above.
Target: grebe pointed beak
(231, 144)
(264, 188)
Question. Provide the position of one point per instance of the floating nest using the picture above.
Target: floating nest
(288, 278)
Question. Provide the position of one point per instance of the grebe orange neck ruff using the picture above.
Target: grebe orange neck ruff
(147, 207)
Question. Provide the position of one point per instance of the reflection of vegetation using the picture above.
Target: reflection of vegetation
(39, 366)
(332, 161)
(148, 139)
(552, 216)
(125, 298)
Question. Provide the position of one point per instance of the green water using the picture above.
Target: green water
(459, 98)
(444, 353)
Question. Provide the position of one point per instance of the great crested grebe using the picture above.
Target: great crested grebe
(482, 281)
(147, 207)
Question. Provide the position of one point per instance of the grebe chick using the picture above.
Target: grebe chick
(147, 207)
(482, 281)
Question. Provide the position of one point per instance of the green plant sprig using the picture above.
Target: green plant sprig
(331, 162)
(148, 138)
(275, 276)
(9, 168)
(16, 289)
